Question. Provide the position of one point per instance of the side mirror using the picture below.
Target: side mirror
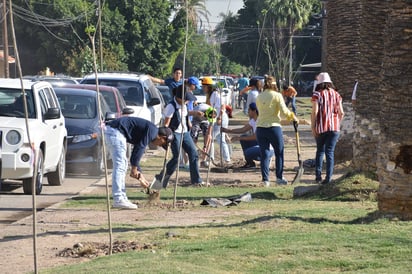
(52, 113)
(109, 116)
(127, 111)
(153, 102)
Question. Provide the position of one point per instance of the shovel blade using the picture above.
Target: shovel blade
(299, 173)
(156, 184)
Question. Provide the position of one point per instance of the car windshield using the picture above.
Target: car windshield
(131, 91)
(12, 103)
(78, 106)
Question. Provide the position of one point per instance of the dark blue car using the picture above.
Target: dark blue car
(84, 139)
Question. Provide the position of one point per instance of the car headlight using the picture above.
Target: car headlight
(84, 137)
(13, 137)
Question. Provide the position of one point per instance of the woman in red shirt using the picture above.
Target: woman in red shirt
(327, 112)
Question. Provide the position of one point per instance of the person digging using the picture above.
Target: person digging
(138, 132)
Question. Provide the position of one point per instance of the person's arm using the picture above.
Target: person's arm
(157, 80)
(341, 113)
(240, 130)
(313, 115)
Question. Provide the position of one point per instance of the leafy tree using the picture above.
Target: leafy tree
(260, 33)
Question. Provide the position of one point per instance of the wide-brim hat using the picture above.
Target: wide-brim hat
(324, 78)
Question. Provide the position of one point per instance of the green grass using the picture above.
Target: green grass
(332, 230)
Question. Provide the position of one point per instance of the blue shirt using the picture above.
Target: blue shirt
(172, 83)
(242, 83)
(138, 132)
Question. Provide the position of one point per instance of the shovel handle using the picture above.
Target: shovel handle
(295, 125)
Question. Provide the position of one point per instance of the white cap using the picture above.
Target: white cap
(324, 78)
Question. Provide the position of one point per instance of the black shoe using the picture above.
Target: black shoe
(324, 182)
(249, 165)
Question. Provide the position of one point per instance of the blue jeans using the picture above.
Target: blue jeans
(266, 137)
(325, 145)
(251, 151)
(293, 101)
(117, 145)
(189, 147)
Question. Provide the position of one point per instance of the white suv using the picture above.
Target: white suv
(138, 91)
(45, 137)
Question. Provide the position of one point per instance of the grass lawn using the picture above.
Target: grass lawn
(337, 229)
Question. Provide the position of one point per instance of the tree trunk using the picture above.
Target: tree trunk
(394, 162)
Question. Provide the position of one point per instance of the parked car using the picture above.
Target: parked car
(112, 96)
(225, 86)
(166, 93)
(137, 90)
(43, 140)
(83, 123)
(55, 81)
(200, 95)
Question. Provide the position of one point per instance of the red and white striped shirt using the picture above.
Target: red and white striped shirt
(327, 118)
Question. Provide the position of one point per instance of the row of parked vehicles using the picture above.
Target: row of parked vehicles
(64, 124)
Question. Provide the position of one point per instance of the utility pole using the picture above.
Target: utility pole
(5, 41)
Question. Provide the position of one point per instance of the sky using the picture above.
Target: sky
(215, 7)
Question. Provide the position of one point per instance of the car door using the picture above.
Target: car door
(153, 94)
(53, 129)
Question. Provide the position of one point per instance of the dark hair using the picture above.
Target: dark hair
(176, 69)
(323, 86)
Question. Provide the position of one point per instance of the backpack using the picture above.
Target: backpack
(176, 120)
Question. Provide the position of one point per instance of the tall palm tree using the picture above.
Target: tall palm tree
(280, 20)
(196, 11)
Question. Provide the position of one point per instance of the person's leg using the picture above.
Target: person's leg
(117, 145)
(250, 150)
(278, 146)
(320, 152)
(330, 144)
(190, 148)
(293, 101)
(221, 137)
(173, 162)
(263, 136)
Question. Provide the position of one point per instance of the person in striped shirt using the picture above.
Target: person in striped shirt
(327, 113)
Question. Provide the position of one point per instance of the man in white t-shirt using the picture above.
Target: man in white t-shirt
(250, 147)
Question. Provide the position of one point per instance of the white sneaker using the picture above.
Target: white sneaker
(282, 181)
(266, 183)
(124, 204)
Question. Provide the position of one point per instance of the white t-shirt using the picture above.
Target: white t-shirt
(170, 110)
(252, 123)
(215, 101)
(251, 97)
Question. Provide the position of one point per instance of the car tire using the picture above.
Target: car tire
(27, 183)
(56, 178)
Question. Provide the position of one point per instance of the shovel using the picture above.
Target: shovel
(300, 169)
(156, 184)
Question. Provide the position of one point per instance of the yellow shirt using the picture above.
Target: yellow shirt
(271, 106)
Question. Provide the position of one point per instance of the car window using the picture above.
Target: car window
(110, 99)
(12, 103)
(77, 106)
(131, 91)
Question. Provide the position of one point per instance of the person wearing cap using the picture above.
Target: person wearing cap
(222, 120)
(327, 113)
(176, 118)
(271, 106)
(250, 147)
(191, 84)
(289, 94)
(138, 132)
